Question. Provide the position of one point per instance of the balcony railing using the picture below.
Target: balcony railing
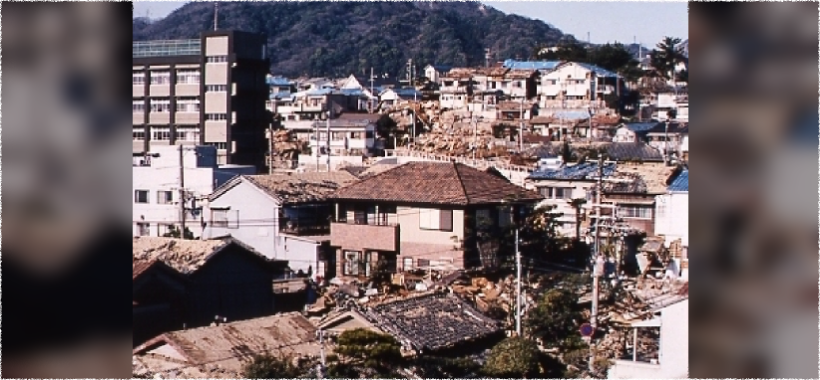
(302, 230)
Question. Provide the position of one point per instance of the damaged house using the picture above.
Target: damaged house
(180, 283)
(433, 323)
(420, 215)
(283, 216)
(220, 351)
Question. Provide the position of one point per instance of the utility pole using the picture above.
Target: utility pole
(597, 266)
(521, 125)
(318, 148)
(270, 146)
(216, 15)
(320, 372)
(181, 193)
(517, 285)
(370, 101)
(475, 135)
(329, 115)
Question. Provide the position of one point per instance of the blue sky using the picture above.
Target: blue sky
(648, 22)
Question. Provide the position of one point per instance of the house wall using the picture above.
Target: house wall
(580, 189)
(253, 219)
(562, 75)
(672, 217)
(233, 284)
(674, 341)
(409, 219)
(624, 134)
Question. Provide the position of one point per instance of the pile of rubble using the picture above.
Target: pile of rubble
(286, 146)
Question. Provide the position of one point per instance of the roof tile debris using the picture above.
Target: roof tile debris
(436, 183)
(185, 256)
(587, 171)
(300, 187)
(633, 151)
(433, 321)
(221, 351)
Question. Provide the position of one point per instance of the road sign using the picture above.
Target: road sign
(586, 330)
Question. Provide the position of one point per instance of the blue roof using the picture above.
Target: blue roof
(321, 91)
(599, 71)
(571, 115)
(585, 171)
(640, 127)
(281, 95)
(531, 65)
(407, 92)
(278, 81)
(352, 91)
(442, 68)
(681, 183)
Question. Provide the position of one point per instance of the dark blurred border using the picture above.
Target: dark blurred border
(75, 320)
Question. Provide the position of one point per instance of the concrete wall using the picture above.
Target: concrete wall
(408, 219)
(672, 217)
(674, 344)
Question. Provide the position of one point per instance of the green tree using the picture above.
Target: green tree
(514, 357)
(667, 54)
(266, 366)
(363, 352)
(173, 232)
(434, 367)
(386, 128)
(566, 51)
(556, 318)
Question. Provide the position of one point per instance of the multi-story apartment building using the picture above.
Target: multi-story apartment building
(205, 91)
(350, 134)
(157, 182)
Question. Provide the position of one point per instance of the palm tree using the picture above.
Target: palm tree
(666, 56)
(577, 204)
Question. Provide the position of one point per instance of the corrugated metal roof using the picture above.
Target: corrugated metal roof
(571, 115)
(681, 183)
(278, 81)
(599, 71)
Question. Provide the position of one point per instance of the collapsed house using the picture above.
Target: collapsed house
(438, 323)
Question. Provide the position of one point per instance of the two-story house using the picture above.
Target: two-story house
(668, 137)
(632, 190)
(351, 134)
(156, 185)
(419, 215)
(393, 96)
(520, 84)
(577, 85)
(456, 88)
(283, 216)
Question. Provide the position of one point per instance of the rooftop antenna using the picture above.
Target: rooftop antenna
(216, 15)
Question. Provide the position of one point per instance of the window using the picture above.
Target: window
(556, 192)
(337, 136)
(161, 105)
(216, 116)
(188, 105)
(140, 196)
(143, 229)
(353, 260)
(160, 133)
(434, 219)
(164, 197)
(187, 76)
(356, 135)
(219, 218)
(138, 106)
(407, 263)
(482, 218)
(216, 88)
(138, 78)
(217, 59)
(504, 217)
(139, 134)
(219, 145)
(187, 134)
(635, 212)
(160, 77)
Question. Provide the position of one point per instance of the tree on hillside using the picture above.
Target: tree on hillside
(667, 54)
(514, 357)
(565, 51)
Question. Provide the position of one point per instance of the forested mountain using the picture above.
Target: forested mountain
(340, 38)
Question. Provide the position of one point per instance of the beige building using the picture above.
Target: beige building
(205, 91)
(421, 215)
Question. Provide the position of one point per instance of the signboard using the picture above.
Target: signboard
(586, 330)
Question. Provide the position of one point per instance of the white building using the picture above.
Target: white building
(672, 360)
(434, 72)
(156, 186)
(574, 85)
(283, 216)
(672, 211)
(350, 134)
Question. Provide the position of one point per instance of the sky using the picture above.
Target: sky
(625, 22)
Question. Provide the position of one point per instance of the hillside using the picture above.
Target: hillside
(340, 38)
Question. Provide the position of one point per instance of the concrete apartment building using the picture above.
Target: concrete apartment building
(205, 91)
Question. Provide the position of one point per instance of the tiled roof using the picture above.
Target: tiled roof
(221, 351)
(532, 65)
(300, 187)
(433, 321)
(520, 73)
(640, 127)
(681, 182)
(363, 117)
(633, 151)
(585, 171)
(435, 183)
(459, 73)
(185, 256)
(648, 178)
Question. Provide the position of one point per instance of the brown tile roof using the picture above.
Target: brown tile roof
(352, 116)
(435, 183)
(221, 351)
(294, 187)
(459, 73)
(509, 105)
(520, 74)
(184, 256)
(492, 71)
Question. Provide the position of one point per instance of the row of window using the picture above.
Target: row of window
(164, 77)
(556, 192)
(144, 229)
(163, 105)
(217, 59)
(163, 197)
(164, 134)
(358, 263)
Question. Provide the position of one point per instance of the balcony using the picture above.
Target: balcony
(365, 236)
(304, 229)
